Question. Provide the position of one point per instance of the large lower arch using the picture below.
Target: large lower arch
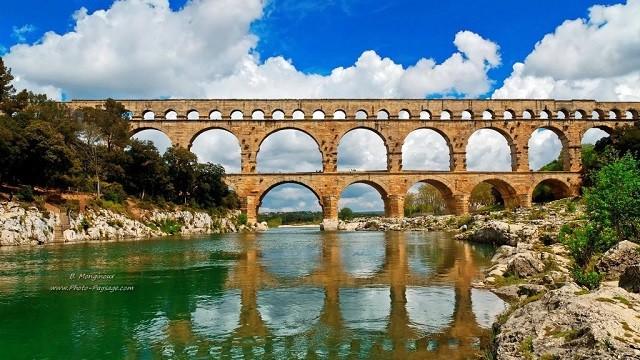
(362, 149)
(429, 196)
(364, 196)
(159, 139)
(548, 150)
(218, 146)
(507, 193)
(426, 149)
(592, 135)
(290, 199)
(490, 149)
(549, 190)
(289, 150)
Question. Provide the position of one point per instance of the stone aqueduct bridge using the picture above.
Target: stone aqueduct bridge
(327, 121)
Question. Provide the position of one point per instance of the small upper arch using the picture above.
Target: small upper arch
(445, 115)
(257, 115)
(215, 115)
(171, 115)
(298, 115)
(613, 114)
(545, 114)
(631, 114)
(382, 115)
(562, 114)
(404, 114)
(193, 115)
(508, 114)
(339, 115)
(361, 115)
(466, 115)
(148, 115)
(318, 115)
(527, 114)
(597, 114)
(425, 115)
(277, 115)
(487, 115)
(237, 115)
(579, 114)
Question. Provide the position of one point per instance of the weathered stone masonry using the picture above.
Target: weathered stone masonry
(327, 121)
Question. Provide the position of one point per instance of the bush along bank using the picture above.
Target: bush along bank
(27, 224)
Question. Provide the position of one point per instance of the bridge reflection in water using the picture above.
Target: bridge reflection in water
(413, 299)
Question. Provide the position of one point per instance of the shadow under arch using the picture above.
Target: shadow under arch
(510, 143)
(444, 190)
(549, 190)
(564, 141)
(507, 191)
(442, 134)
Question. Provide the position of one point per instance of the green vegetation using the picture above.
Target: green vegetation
(612, 199)
(345, 214)
(526, 348)
(44, 144)
(291, 218)
(427, 200)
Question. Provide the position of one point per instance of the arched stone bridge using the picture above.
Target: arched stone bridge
(327, 121)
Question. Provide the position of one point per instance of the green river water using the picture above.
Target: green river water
(289, 294)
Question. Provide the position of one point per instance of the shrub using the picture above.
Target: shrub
(115, 193)
(464, 220)
(242, 219)
(169, 226)
(345, 214)
(589, 279)
(25, 193)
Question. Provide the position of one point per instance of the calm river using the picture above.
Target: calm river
(291, 293)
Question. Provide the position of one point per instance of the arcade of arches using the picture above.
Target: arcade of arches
(328, 121)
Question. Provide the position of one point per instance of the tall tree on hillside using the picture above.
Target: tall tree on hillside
(145, 170)
(6, 88)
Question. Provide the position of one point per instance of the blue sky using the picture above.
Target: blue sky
(321, 35)
(330, 49)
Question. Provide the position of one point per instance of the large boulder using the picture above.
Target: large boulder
(525, 264)
(569, 324)
(500, 233)
(630, 279)
(618, 258)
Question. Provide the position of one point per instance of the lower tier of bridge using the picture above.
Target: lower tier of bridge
(515, 188)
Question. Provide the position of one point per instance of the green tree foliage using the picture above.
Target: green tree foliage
(345, 214)
(181, 168)
(614, 200)
(485, 196)
(146, 170)
(427, 200)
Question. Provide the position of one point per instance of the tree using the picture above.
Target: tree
(345, 214)
(209, 189)
(181, 167)
(110, 123)
(45, 156)
(6, 88)
(145, 170)
(614, 200)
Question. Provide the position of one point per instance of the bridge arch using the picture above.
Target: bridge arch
(591, 135)
(445, 191)
(148, 115)
(537, 144)
(219, 146)
(437, 141)
(296, 149)
(506, 191)
(500, 145)
(351, 135)
(550, 189)
(377, 187)
(149, 133)
(266, 188)
(171, 115)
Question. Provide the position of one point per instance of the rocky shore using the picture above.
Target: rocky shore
(22, 224)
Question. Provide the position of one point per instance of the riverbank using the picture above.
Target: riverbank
(28, 224)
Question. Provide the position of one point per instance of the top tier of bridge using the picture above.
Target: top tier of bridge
(398, 109)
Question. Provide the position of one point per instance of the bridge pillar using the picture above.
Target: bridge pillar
(520, 158)
(248, 162)
(329, 213)
(460, 204)
(394, 161)
(394, 206)
(574, 153)
(330, 163)
(458, 161)
(523, 200)
(249, 206)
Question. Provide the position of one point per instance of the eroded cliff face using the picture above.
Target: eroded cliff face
(27, 225)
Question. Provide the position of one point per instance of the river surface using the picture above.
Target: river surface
(285, 294)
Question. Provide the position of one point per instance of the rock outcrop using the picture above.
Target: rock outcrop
(22, 225)
(630, 279)
(500, 233)
(614, 262)
(570, 323)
